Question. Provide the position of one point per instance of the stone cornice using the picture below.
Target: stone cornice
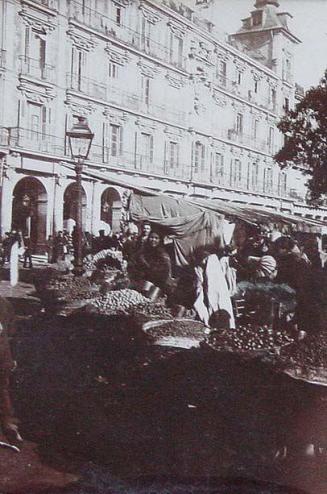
(78, 107)
(39, 93)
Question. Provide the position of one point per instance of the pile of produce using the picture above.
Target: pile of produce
(178, 327)
(68, 289)
(106, 259)
(310, 352)
(153, 310)
(118, 302)
(250, 337)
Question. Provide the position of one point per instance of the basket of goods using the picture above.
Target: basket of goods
(108, 258)
(249, 340)
(178, 333)
(151, 311)
(67, 292)
(117, 302)
(306, 359)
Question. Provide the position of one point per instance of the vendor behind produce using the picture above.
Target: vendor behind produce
(152, 263)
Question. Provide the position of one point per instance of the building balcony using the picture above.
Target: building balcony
(103, 23)
(238, 89)
(32, 140)
(247, 140)
(35, 68)
(50, 4)
(125, 99)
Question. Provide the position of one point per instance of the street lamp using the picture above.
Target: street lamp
(80, 139)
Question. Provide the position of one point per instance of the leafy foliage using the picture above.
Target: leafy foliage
(305, 131)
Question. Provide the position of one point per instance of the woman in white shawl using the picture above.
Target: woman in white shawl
(17, 248)
(212, 293)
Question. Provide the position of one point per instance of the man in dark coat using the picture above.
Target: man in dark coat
(7, 365)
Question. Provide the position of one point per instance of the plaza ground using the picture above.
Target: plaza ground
(102, 411)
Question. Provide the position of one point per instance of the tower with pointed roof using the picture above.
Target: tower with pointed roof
(266, 37)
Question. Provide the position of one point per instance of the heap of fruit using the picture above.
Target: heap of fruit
(310, 352)
(250, 337)
(69, 288)
(118, 302)
(179, 328)
(154, 310)
(105, 259)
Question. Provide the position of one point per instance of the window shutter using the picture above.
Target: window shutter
(203, 151)
(165, 159)
(42, 52)
(121, 140)
(151, 149)
(27, 41)
(192, 160)
(177, 158)
(135, 151)
(44, 121)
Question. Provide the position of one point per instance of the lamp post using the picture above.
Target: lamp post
(80, 139)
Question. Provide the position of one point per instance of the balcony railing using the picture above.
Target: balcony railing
(108, 26)
(50, 4)
(33, 140)
(257, 99)
(4, 136)
(126, 99)
(36, 68)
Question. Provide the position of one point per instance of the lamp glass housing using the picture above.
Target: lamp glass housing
(80, 139)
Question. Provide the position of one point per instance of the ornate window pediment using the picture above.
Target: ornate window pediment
(146, 125)
(173, 81)
(115, 55)
(176, 28)
(116, 118)
(36, 93)
(81, 42)
(219, 98)
(150, 14)
(38, 21)
(147, 70)
(78, 107)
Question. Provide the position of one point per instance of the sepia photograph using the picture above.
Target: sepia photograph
(163, 246)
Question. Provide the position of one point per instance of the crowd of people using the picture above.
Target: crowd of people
(208, 284)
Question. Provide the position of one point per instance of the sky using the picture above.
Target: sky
(309, 23)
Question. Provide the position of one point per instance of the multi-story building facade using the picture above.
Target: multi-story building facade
(173, 104)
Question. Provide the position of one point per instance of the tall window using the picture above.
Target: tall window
(199, 157)
(254, 176)
(222, 72)
(116, 140)
(113, 70)
(268, 180)
(38, 119)
(255, 132)
(118, 15)
(35, 52)
(218, 171)
(256, 86)
(172, 155)
(239, 124)
(239, 77)
(282, 184)
(77, 68)
(146, 148)
(286, 104)
(176, 50)
(271, 139)
(236, 173)
(145, 90)
(145, 34)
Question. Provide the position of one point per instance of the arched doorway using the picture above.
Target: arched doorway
(70, 207)
(29, 211)
(111, 208)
